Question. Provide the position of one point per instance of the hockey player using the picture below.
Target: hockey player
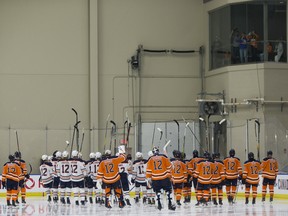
(251, 177)
(23, 177)
(158, 175)
(100, 190)
(203, 174)
(47, 174)
(269, 168)
(139, 177)
(218, 179)
(56, 179)
(191, 171)
(150, 193)
(64, 171)
(233, 172)
(179, 175)
(188, 183)
(108, 173)
(10, 179)
(125, 168)
(91, 171)
(78, 174)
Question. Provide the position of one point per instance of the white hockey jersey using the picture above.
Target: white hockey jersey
(139, 170)
(64, 170)
(47, 173)
(78, 170)
(92, 169)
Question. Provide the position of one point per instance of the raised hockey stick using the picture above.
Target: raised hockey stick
(82, 140)
(76, 128)
(17, 141)
(161, 135)
(128, 133)
(165, 148)
(184, 137)
(113, 135)
(67, 145)
(192, 132)
(257, 134)
(153, 136)
(106, 129)
(73, 136)
(178, 133)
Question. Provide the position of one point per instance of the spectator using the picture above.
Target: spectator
(279, 51)
(253, 38)
(243, 48)
(235, 39)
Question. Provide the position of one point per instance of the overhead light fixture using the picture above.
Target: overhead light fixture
(201, 119)
(222, 121)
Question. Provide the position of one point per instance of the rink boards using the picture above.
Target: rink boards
(34, 187)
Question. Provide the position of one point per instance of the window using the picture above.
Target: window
(247, 33)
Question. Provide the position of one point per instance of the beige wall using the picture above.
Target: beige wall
(60, 54)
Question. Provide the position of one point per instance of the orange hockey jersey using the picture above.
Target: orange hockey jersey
(192, 165)
(233, 167)
(158, 167)
(269, 168)
(179, 171)
(251, 171)
(204, 171)
(108, 169)
(12, 171)
(23, 167)
(218, 172)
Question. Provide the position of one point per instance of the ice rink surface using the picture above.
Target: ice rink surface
(39, 206)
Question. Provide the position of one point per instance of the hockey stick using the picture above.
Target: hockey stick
(184, 138)
(105, 139)
(75, 126)
(77, 130)
(81, 144)
(192, 132)
(153, 136)
(161, 134)
(257, 134)
(113, 134)
(128, 133)
(17, 139)
(124, 131)
(165, 148)
(67, 144)
(178, 133)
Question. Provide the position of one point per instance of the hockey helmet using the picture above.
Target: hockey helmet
(150, 153)
(65, 154)
(17, 154)
(250, 155)
(269, 153)
(155, 150)
(139, 155)
(11, 158)
(44, 157)
(176, 154)
(206, 154)
(232, 152)
(92, 155)
(74, 153)
(195, 153)
(58, 154)
(108, 152)
(98, 155)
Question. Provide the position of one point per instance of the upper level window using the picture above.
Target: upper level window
(247, 33)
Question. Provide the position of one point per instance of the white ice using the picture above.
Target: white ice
(39, 206)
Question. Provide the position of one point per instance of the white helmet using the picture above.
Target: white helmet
(44, 157)
(98, 155)
(108, 152)
(92, 155)
(117, 154)
(58, 154)
(150, 153)
(65, 154)
(80, 155)
(139, 155)
(74, 153)
(155, 150)
(50, 157)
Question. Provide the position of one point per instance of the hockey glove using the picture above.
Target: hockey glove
(4, 184)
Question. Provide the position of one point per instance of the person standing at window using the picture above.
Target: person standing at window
(243, 48)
